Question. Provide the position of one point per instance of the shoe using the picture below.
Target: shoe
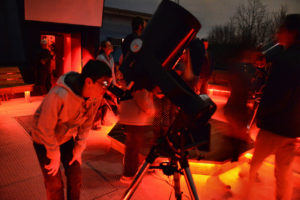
(126, 179)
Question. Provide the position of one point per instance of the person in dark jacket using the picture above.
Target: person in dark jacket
(137, 25)
(136, 115)
(278, 116)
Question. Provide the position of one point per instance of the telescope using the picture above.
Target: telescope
(149, 63)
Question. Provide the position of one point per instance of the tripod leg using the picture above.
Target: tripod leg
(253, 116)
(140, 174)
(176, 178)
(136, 181)
(189, 179)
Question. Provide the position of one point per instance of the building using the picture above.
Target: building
(116, 25)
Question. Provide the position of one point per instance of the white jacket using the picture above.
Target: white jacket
(61, 116)
(111, 63)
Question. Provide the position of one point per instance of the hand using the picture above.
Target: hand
(76, 156)
(53, 166)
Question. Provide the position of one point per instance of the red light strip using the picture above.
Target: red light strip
(218, 90)
(181, 43)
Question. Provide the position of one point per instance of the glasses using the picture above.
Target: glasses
(103, 84)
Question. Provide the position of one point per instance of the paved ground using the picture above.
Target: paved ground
(21, 179)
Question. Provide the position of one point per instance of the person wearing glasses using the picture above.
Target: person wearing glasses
(61, 125)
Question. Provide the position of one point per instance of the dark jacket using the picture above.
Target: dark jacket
(279, 110)
(127, 41)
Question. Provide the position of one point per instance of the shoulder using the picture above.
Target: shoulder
(100, 57)
(58, 92)
(129, 38)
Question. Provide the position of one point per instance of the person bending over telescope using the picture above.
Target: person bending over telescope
(62, 123)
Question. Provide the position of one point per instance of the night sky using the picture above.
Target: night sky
(209, 12)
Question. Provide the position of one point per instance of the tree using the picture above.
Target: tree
(251, 26)
(276, 19)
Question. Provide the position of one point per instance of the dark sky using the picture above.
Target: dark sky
(209, 12)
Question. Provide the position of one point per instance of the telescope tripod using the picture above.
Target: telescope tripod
(176, 166)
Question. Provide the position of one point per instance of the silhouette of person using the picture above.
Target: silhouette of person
(42, 69)
(278, 115)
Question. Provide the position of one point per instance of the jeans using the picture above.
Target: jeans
(137, 138)
(54, 184)
(268, 143)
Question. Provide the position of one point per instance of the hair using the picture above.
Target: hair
(136, 22)
(292, 23)
(95, 70)
(101, 47)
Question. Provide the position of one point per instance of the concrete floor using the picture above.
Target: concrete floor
(21, 179)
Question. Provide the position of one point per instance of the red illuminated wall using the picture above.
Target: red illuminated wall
(67, 61)
(75, 43)
(79, 12)
(76, 52)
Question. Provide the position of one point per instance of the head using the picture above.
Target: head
(96, 77)
(44, 43)
(289, 31)
(106, 47)
(138, 25)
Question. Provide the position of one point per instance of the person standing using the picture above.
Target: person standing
(136, 115)
(61, 125)
(278, 115)
(197, 65)
(42, 69)
(104, 55)
(206, 70)
(137, 25)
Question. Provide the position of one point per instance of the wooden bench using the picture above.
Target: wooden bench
(11, 82)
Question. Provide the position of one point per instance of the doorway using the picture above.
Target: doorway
(66, 52)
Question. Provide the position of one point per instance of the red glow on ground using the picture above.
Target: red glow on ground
(248, 155)
(159, 186)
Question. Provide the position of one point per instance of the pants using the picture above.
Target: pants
(137, 138)
(203, 86)
(284, 149)
(54, 184)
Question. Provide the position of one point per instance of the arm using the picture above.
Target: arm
(83, 131)
(47, 115)
(144, 100)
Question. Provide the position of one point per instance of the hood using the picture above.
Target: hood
(69, 77)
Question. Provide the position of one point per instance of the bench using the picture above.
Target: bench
(11, 82)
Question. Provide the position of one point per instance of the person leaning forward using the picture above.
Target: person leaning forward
(61, 125)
